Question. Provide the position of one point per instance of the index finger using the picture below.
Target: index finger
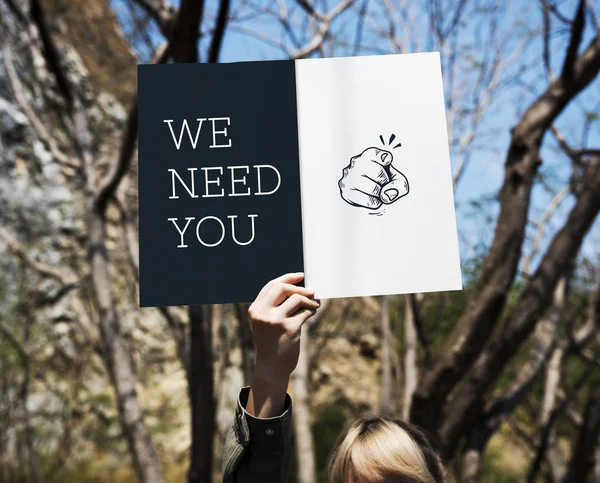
(287, 278)
(379, 156)
(279, 292)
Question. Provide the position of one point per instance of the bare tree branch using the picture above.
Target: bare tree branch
(501, 407)
(186, 30)
(552, 392)
(12, 339)
(217, 36)
(129, 232)
(554, 9)
(139, 26)
(571, 412)
(160, 11)
(541, 225)
(455, 19)
(65, 277)
(522, 319)
(359, 26)
(576, 35)
(178, 329)
(546, 38)
(551, 386)
(25, 105)
(322, 31)
(16, 10)
(51, 53)
(261, 37)
(575, 154)
(308, 8)
(594, 403)
(592, 326)
(120, 169)
(479, 320)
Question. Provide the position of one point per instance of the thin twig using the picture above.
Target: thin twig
(25, 105)
(67, 279)
(120, 169)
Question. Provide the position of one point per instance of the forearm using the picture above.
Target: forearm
(267, 393)
(258, 447)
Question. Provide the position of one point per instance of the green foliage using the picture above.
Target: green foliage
(494, 470)
(498, 476)
(329, 423)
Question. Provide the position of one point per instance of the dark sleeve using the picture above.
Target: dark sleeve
(258, 449)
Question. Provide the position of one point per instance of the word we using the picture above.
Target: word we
(194, 140)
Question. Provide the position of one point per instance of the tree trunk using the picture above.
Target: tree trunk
(465, 407)
(201, 392)
(32, 457)
(597, 467)
(31, 464)
(410, 356)
(115, 355)
(548, 403)
(582, 459)
(179, 331)
(117, 358)
(485, 306)
(246, 340)
(470, 466)
(303, 436)
(500, 408)
(385, 405)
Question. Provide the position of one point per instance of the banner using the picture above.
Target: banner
(336, 167)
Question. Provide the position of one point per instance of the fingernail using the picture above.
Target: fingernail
(391, 194)
(383, 156)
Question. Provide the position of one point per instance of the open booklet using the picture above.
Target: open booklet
(335, 167)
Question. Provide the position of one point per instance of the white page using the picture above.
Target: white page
(410, 245)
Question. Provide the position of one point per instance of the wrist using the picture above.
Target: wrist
(267, 393)
(268, 376)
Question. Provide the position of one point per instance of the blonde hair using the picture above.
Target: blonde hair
(384, 448)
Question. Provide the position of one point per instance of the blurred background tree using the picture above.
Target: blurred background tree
(504, 374)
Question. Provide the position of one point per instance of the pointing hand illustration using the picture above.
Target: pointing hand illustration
(370, 180)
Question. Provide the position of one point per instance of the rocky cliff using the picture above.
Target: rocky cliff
(70, 407)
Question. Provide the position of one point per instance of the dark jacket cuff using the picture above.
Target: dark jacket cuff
(264, 434)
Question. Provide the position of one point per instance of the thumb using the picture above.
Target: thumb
(395, 189)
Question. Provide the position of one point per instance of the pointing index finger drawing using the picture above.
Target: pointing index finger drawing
(370, 180)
